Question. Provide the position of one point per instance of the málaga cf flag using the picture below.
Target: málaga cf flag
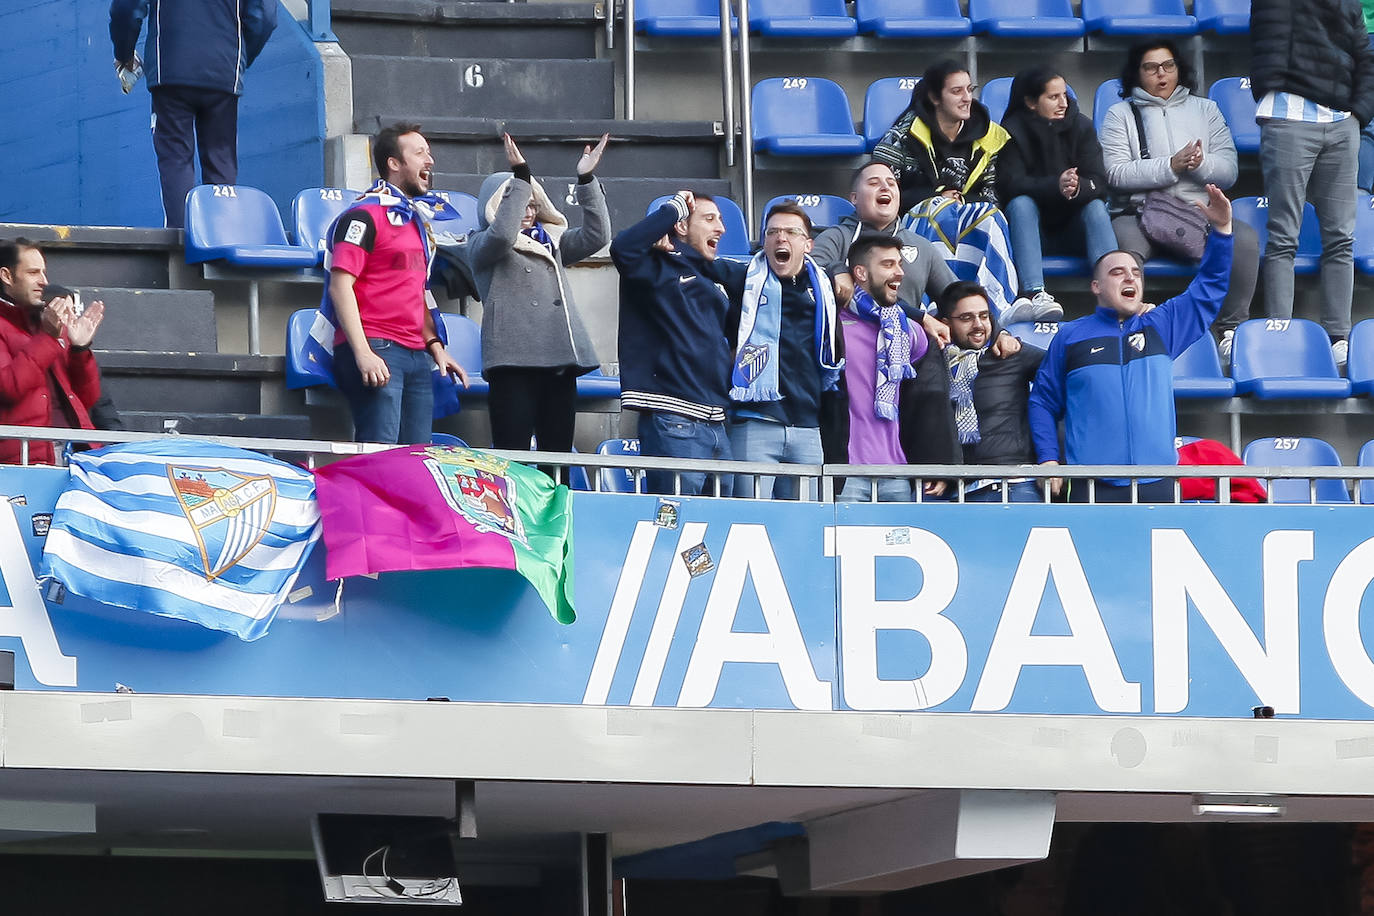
(442, 507)
(195, 530)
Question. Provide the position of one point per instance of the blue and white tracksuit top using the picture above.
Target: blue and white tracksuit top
(1111, 381)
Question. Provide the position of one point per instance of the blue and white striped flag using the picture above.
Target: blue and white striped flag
(194, 530)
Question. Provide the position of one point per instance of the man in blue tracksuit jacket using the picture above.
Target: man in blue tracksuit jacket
(677, 331)
(1109, 376)
(194, 58)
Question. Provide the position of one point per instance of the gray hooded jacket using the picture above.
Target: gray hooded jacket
(1170, 125)
(923, 268)
(529, 319)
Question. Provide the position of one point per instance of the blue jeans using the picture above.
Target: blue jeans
(1022, 491)
(890, 490)
(1089, 231)
(753, 439)
(670, 435)
(401, 412)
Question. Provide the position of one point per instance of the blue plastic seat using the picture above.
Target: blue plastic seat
(465, 205)
(1359, 367)
(996, 96)
(241, 226)
(735, 242)
(801, 19)
(912, 18)
(1366, 487)
(617, 480)
(1224, 17)
(447, 439)
(1364, 234)
(1024, 18)
(465, 345)
(884, 101)
(825, 210)
(1138, 17)
(301, 369)
(1297, 451)
(1197, 372)
(313, 212)
(1107, 95)
(1285, 358)
(1237, 104)
(596, 385)
(680, 18)
(1036, 333)
(1254, 210)
(803, 116)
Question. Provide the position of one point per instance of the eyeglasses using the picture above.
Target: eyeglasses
(794, 231)
(1152, 68)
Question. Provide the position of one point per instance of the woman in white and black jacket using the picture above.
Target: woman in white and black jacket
(1051, 179)
(1190, 147)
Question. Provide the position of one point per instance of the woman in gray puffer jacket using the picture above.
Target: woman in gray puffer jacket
(534, 344)
(1190, 147)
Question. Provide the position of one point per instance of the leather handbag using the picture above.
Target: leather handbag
(1167, 221)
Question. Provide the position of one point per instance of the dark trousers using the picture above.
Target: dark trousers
(532, 402)
(185, 119)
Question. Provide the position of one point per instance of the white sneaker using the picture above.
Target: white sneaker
(1340, 350)
(1020, 310)
(1046, 307)
(1228, 342)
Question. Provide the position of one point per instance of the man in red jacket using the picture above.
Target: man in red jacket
(48, 376)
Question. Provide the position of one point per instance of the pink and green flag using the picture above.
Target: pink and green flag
(444, 507)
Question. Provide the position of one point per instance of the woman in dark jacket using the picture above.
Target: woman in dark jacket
(1051, 178)
(944, 150)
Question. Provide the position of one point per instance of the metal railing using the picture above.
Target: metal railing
(817, 482)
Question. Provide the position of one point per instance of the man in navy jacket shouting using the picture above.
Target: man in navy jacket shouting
(194, 58)
(1109, 376)
(677, 330)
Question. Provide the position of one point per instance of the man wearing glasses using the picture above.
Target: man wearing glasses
(1312, 72)
(787, 351)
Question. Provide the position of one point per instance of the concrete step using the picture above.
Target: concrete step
(189, 382)
(638, 149)
(82, 256)
(155, 319)
(433, 87)
(626, 198)
(483, 30)
(286, 426)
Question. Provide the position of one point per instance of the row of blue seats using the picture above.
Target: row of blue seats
(945, 18)
(240, 224)
(1272, 451)
(1271, 359)
(811, 116)
(464, 343)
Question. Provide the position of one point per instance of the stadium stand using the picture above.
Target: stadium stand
(618, 480)
(884, 100)
(1366, 460)
(1223, 17)
(1254, 210)
(1107, 95)
(1364, 234)
(1035, 333)
(1359, 367)
(313, 212)
(680, 18)
(465, 343)
(825, 210)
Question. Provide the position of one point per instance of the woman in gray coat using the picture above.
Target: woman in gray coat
(534, 344)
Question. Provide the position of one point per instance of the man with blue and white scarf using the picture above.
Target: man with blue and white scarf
(788, 352)
(388, 341)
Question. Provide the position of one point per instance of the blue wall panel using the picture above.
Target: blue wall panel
(80, 152)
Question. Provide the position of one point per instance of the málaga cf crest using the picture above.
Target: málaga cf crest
(228, 512)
